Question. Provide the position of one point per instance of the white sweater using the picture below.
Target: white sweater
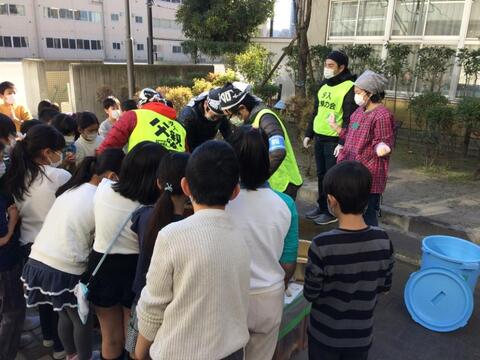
(111, 211)
(194, 305)
(66, 238)
(38, 200)
(86, 148)
(264, 219)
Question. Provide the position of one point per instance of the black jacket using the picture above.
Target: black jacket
(270, 125)
(199, 129)
(348, 106)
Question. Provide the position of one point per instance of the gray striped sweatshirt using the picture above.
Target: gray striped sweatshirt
(346, 271)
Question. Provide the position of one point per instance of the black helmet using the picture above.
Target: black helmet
(233, 94)
(213, 100)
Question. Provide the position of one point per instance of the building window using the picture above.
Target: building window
(116, 46)
(155, 48)
(177, 49)
(49, 43)
(64, 43)
(57, 43)
(72, 43)
(3, 9)
(7, 41)
(86, 44)
(140, 47)
(114, 17)
(96, 45)
(16, 10)
(66, 14)
(138, 19)
(474, 25)
(444, 18)
(371, 17)
(343, 19)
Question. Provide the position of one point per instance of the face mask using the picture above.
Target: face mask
(69, 140)
(57, 163)
(89, 136)
(359, 100)
(236, 120)
(10, 99)
(328, 73)
(115, 114)
(3, 168)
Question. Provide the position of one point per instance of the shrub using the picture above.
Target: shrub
(254, 63)
(468, 112)
(179, 96)
(420, 104)
(200, 85)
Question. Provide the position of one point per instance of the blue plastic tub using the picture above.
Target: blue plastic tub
(457, 255)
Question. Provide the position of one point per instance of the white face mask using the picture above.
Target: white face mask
(57, 163)
(10, 99)
(359, 100)
(115, 114)
(89, 136)
(328, 73)
(69, 140)
(3, 168)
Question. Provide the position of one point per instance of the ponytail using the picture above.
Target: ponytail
(108, 161)
(169, 174)
(24, 169)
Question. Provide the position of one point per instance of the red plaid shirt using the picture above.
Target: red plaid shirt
(365, 131)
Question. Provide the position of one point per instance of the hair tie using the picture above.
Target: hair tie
(168, 187)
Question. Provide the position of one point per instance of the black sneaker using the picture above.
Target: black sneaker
(325, 219)
(314, 213)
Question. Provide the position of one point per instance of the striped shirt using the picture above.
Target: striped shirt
(346, 271)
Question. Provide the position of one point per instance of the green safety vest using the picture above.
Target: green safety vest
(330, 100)
(288, 171)
(157, 128)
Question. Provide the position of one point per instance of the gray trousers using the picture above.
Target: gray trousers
(12, 312)
(76, 337)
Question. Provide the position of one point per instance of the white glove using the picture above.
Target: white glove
(337, 150)
(382, 149)
(306, 142)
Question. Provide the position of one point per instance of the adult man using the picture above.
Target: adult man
(153, 121)
(334, 102)
(235, 100)
(203, 118)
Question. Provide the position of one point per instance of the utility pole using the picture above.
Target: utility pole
(129, 42)
(150, 3)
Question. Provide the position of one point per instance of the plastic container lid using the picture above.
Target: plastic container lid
(438, 299)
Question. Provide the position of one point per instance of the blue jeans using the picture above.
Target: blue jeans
(324, 160)
(373, 208)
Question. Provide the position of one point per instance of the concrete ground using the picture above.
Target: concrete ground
(398, 337)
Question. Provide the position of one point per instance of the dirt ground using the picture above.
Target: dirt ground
(451, 197)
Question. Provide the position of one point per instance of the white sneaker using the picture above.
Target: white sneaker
(58, 355)
(48, 343)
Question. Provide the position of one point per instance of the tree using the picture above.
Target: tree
(396, 65)
(303, 12)
(433, 63)
(468, 111)
(470, 61)
(221, 26)
(362, 57)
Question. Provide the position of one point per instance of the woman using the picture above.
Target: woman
(114, 203)
(271, 236)
(369, 137)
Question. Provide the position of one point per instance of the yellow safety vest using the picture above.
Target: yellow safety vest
(157, 128)
(288, 171)
(330, 100)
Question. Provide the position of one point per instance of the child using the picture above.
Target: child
(67, 126)
(128, 104)
(346, 269)
(114, 204)
(28, 125)
(18, 113)
(47, 115)
(46, 104)
(111, 106)
(12, 309)
(149, 220)
(33, 178)
(60, 253)
(272, 237)
(89, 140)
(8, 137)
(195, 302)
